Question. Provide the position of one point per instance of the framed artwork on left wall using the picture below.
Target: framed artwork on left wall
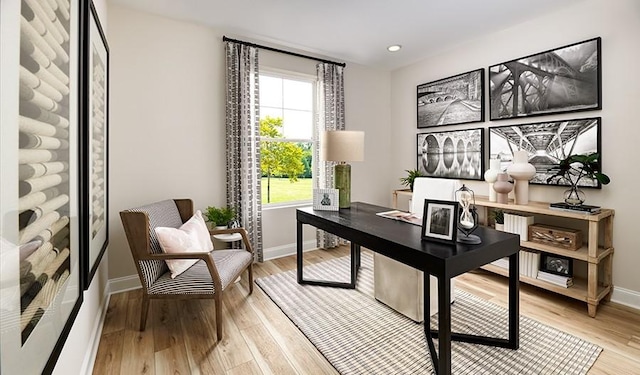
(95, 143)
(41, 252)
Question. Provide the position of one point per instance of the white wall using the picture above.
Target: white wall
(618, 23)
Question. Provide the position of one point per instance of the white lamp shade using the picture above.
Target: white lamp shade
(342, 145)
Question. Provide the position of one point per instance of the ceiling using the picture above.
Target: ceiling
(356, 31)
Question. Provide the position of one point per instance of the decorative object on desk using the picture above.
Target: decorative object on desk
(450, 101)
(456, 154)
(342, 146)
(547, 143)
(491, 176)
(503, 187)
(574, 168)
(439, 221)
(521, 171)
(556, 264)
(498, 217)
(325, 199)
(564, 79)
(219, 216)
(411, 176)
(468, 216)
(570, 239)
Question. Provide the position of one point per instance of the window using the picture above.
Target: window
(286, 131)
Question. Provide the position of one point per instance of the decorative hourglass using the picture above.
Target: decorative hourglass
(468, 219)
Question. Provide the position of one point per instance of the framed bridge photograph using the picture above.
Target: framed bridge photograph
(451, 154)
(454, 100)
(547, 143)
(565, 79)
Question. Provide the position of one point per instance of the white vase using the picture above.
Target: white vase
(491, 176)
(521, 171)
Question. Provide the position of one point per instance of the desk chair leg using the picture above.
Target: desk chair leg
(144, 311)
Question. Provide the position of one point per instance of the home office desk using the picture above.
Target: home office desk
(402, 241)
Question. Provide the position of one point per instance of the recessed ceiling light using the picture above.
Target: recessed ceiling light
(394, 48)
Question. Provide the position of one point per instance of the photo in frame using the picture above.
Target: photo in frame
(564, 79)
(556, 264)
(39, 201)
(439, 221)
(95, 136)
(325, 199)
(547, 143)
(452, 154)
(454, 100)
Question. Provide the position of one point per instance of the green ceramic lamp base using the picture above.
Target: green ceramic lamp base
(342, 182)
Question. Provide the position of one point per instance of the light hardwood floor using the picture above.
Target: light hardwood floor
(180, 336)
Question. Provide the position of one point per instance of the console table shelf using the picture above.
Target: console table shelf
(597, 252)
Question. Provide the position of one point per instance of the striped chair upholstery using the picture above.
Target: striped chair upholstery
(207, 278)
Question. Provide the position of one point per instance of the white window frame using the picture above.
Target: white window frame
(296, 76)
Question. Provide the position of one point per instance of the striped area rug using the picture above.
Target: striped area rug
(359, 335)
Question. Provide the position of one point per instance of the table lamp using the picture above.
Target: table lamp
(342, 146)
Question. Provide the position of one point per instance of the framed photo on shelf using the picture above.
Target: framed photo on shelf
(325, 199)
(564, 79)
(547, 143)
(450, 101)
(439, 221)
(451, 154)
(556, 264)
(95, 136)
(42, 264)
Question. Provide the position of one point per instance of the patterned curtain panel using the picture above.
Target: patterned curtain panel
(243, 140)
(330, 116)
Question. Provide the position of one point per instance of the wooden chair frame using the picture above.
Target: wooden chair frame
(136, 227)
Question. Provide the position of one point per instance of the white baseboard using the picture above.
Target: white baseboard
(286, 250)
(627, 297)
(90, 355)
(123, 284)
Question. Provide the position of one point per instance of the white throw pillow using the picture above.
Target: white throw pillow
(192, 236)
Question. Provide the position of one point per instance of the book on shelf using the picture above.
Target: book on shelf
(518, 224)
(502, 263)
(407, 217)
(561, 206)
(563, 281)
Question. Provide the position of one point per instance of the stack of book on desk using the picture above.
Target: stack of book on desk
(561, 206)
(563, 281)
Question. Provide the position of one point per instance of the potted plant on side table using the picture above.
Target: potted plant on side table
(219, 217)
(498, 217)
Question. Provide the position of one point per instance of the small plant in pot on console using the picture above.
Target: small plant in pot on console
(411, 176)
(573, 169)
(498, 217)
(220, 216)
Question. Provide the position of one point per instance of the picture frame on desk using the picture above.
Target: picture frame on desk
(439, 221)
(556, 264)
(325, 199)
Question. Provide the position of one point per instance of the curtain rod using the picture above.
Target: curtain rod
(225, 39)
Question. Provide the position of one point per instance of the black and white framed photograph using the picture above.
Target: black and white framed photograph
(564, 79)
(325, 199)
(547, 143)
(452, 154)
(439, 221)
(454, 100)
(40, 243)
(95, 135)
(556, 264)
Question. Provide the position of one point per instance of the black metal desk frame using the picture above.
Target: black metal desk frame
(402, 242)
